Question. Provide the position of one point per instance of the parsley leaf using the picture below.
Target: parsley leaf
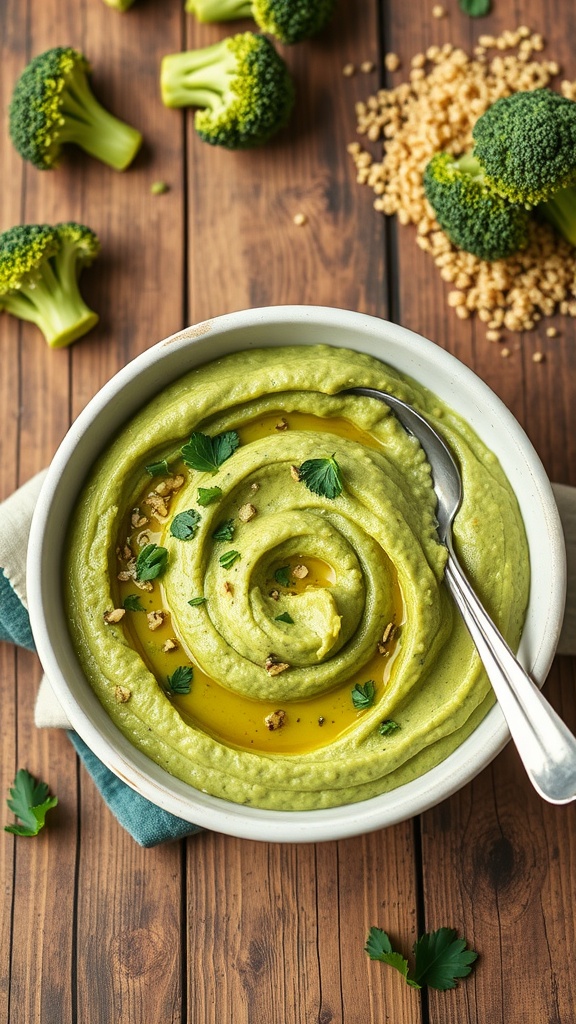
(282, 576)
(206, 495)
(322, 476)
(132, 603)
(158, 468)
(379, 947)
(285, 617)
(197, 601)
(185, 524)
(228, 558)
(30, 803)
(363, 696)
(206, 453)
(180, 680)
(151, 562)
(225, 531)
(440, 958)
(475, 8)
(388, 726)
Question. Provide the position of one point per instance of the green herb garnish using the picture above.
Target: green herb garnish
(197, 601)
(158, 468)
(387, 726)
(282, 576)
(132, 603)
(30, 803)
(151, 562)
(206, 495)
(475, 8)
(225, 531)
(206, 453)
(180, 680)
(228, 558)
(440, 958)
(322, 476)
(285, 617)
(185, 524)
(363, 695)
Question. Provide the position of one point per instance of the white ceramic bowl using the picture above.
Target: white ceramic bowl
(131, 388)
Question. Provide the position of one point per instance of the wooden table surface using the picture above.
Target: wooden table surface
(215, 929)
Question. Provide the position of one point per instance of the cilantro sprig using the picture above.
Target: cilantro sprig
(180, 681)
(228, 558)
(132, 603)
(225, 530)
(363, 695)
(206, 453)
(30, 803)
(158, 468)
(439, 958)
(282, 576)
(387, 726)
(185, 524)
(322, 476)
(285, 617)
(206, 495)
(475, 8)
(151, 562)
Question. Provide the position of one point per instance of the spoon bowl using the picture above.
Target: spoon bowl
(545, 744)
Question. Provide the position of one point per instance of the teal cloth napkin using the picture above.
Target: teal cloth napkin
(148, 824)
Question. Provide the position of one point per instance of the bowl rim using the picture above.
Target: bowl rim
(214, 813)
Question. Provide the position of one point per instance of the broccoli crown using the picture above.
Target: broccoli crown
(292, 20)
(53, 104)
(242, 85)
(39, 269)
(527, 145)
(472, 214)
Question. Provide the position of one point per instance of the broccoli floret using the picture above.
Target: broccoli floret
(242, 85)
(53, 104)
(39, 269)
(471, 212)
(526, 144)
(289, 20)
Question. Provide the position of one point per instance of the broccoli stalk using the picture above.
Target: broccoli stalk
(289, 20)
(53, 104)
(241, 84)
(39, 269)
(560, 211)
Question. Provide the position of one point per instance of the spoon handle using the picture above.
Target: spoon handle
(545, 744)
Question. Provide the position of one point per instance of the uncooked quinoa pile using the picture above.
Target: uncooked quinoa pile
(436, 110)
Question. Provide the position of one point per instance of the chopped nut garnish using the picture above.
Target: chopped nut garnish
(158, 505)
(300, 219)
(275, 720)
(274, 594)
(246, 512)
(170, 645)
(155, 619)
(143, 584)
(273, 666)
(282, 424)
(137, 519)
(348, 70)
(300, 572)
(255, 487)
(125, 575)
(295, 473)
(321, 720)
(388, 632)
(114, 616)
(122, 694)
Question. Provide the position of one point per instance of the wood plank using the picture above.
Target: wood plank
(495, 857)
(293, 923)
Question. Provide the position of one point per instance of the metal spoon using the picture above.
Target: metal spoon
(545, 744)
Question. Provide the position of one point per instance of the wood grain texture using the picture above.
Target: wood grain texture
(218, 930)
